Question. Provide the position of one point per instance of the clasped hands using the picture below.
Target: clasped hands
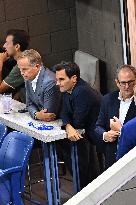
(72, 133)
(114, 133)
(45, 115)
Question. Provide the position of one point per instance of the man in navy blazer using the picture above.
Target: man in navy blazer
(42, 95)
(81, 106)
(127, 139)
(119, 104)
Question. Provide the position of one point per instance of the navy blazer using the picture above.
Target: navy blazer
(127, 139)
(110, 108)
(81, 107)
(46, 96)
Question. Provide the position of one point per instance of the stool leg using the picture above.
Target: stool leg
(29, 180)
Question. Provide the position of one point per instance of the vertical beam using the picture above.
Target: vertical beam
(123, 32)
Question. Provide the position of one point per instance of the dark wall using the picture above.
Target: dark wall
(53, 28)
(99, 32)
(50, 23)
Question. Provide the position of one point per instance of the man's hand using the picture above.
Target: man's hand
(45, 116)
(3, 57)
(72, 133)
(111, 135)
(115, 124)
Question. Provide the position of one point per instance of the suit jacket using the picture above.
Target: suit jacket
(127, 139)
(81, 107)
(110, 108)
(46, 96)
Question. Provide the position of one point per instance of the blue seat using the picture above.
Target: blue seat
(14, 154)
(3, 132)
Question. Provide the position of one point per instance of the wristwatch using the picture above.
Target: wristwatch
(35, 116)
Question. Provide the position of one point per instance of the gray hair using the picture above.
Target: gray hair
(126, 67)
(32, 55)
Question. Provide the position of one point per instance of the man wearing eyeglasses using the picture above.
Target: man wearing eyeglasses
(119, 104)
(127, 139)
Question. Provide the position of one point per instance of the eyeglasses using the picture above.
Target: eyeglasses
(129, 83)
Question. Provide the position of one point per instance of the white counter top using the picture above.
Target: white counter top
(19, 121)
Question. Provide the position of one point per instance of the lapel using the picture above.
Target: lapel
(114, 105)
(30, 87)
(131, 112)
(39, 84)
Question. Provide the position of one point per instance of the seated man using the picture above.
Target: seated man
(42, 95)
(16, 42)
(80, 110)
(119, 103)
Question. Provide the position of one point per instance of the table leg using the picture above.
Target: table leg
(51, 170)
(75, 168)
(47, 174)
(55, 177)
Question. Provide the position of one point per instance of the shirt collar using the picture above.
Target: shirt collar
(70, 92)
(36, 78)
(126, 100)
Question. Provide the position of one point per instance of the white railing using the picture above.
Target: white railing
(108, 182)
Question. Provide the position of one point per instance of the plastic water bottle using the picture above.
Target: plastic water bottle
(6, 101)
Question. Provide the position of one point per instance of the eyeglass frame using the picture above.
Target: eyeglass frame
(123, 83)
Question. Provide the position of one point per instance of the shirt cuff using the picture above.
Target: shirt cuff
(104, 136)
(8, 84)
(63, 127)
(120, 131)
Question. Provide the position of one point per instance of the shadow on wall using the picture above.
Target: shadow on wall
(103, 77)
(93, 3)
(112, 7)
(84, 1)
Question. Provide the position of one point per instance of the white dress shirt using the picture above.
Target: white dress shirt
(124, 106)
(34, 82)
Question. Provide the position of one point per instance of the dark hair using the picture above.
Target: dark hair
(2, 50)
(128, 67)
(20, 37)
(70, 69)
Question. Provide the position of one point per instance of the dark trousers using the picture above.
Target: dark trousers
(86, 159)
(110, 154)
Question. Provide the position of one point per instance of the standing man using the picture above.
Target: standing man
(119, 104)
(127, 140)
(80, 110)
(16, 42)
(42, 94)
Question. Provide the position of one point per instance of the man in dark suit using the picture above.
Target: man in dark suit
(119, 104)
(42, 95)
(80, 110)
